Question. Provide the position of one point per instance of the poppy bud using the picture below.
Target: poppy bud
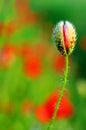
(64, 36)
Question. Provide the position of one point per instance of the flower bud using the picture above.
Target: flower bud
(64, 36)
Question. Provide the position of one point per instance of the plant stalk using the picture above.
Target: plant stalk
(61, 93)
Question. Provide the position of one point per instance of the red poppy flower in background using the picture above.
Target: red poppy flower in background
(1, 28)
(41, 48)
(26, 107)
(25, 15)
(45, 111)
(7, 55)
(32, 66)
(65, 109)
(25, 50)
(11, 27)
(27, 18)
(41, 113)
(21, 6)
(58, 63)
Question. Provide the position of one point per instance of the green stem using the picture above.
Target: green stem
(61, 93)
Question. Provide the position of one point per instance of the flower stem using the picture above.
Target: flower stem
(61, 93)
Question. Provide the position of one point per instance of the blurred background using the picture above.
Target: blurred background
(31, 69)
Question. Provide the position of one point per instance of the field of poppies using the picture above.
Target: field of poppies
(31, 68)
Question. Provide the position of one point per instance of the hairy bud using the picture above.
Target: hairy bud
(64, 36)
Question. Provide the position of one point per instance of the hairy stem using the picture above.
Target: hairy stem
(60, 94)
